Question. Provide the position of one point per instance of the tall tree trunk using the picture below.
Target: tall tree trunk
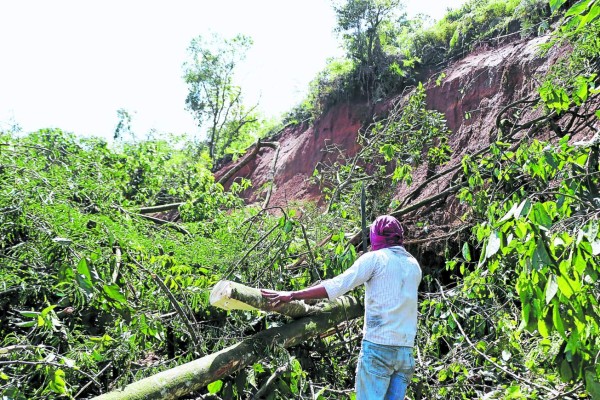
(193, 376)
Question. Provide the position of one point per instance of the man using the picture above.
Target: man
(391, 276)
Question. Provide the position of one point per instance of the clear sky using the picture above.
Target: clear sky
(72, 64)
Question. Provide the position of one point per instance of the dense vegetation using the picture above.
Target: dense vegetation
(386, 52)
(98, 290)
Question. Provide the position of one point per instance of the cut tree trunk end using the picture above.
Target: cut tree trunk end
(230, 295)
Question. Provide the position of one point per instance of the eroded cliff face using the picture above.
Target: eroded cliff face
(301, 149)
(471, 94)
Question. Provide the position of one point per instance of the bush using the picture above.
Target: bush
(415, 47)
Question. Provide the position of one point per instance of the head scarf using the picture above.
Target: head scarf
(386, 232)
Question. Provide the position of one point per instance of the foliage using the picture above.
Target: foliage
(74, 300)
(213, 98)
(329, 86)
(476, 23)
(366, 27)
(369, 29)
(579, 16)
(88, 283)
(409, 136)
(524, 301)
(540, 237)
(124, 125)
(94, 295)
(386, 53)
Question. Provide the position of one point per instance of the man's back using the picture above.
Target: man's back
(391, 297)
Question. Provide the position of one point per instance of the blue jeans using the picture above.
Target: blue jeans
(383, 372)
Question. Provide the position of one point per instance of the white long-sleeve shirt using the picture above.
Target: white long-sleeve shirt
(391, 277)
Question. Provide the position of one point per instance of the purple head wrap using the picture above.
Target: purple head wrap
(386, 232)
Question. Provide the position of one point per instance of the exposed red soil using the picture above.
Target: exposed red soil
(300, 151)
(471, 94)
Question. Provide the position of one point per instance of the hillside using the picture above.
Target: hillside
(471, 93)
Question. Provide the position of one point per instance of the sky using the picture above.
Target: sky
(71, 64)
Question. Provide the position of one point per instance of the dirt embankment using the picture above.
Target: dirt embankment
(471, 94)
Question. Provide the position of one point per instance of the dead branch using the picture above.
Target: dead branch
(241, 164)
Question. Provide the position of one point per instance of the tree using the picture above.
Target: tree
(213, 98)
(366, 25)
(194, 375)
(124, 124)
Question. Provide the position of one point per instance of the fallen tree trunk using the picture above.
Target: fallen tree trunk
(193, 376)
(235, 296)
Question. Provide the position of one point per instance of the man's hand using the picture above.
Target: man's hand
(276, 298)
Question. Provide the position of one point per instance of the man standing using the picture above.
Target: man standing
(391, 276)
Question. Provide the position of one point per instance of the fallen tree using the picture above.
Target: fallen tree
(193, 376)
(230, 295)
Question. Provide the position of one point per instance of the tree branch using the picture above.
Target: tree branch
(172, 299)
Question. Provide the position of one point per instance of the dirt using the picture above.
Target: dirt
(300, 152)
(472, 93)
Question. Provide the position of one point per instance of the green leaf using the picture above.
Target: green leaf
(582, 89)
(85, 284)
(493, 244)
(543, 328)
(466, 252)
(565, 286)
(287, 228)
(521, 229)
(514, 392)
(29, 314)
(540, 216)
(26, 324)
(598, 114)
(402, 173)
(442, 375)
(82, 268)
(57, 382)
(47, 310)
(114, 293)
(558, 322)
(590, 16)
(525, 313)
(592, 385)
(541, 258)
(566, 372)
(551, 288)
(215, 387)
(577, 8)
(523, 208)
(388, 151)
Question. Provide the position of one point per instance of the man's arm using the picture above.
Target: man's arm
(315, 292)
